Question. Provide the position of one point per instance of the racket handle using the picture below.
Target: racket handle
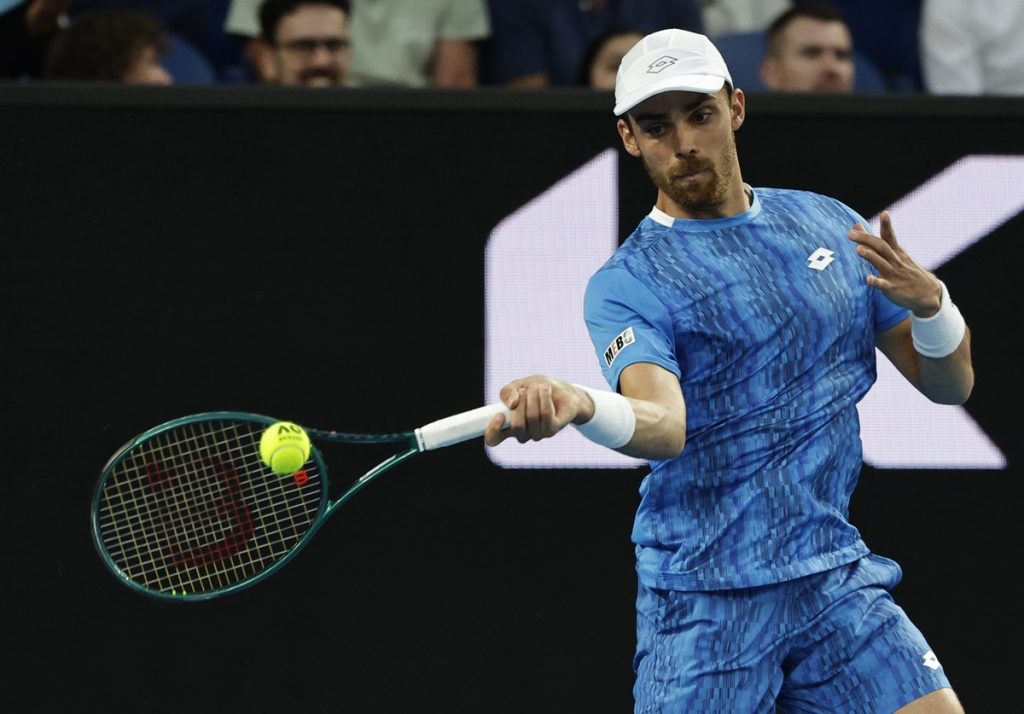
(458, 427)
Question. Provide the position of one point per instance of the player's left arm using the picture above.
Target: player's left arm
(947, 376)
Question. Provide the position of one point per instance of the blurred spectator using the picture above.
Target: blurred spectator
(306, 42)
(197, 23)
(417, 43)
(808, 48)
(26, 29)
(243, 22)
(885, 32)
(410, 43)
(727, 16)
(973, 47)
(540, 43)
(601, 62)
(110, 46)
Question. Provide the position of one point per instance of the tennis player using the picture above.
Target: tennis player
(738, 328)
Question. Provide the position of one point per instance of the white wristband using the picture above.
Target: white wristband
(613, 422)
(940, 334)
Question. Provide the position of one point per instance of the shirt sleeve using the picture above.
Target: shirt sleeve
(951, 55)
(243, 18)
(627, 324)
(887, 313)
(465, 20)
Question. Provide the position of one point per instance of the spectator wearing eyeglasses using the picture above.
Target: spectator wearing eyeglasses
(305, 42)
(395, 43)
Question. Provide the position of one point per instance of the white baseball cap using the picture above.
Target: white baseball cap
(668, 61)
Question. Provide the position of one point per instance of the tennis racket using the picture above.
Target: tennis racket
(188, 510)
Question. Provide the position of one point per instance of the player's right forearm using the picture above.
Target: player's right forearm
(660, 431)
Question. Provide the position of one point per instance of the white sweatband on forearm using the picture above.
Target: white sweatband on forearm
(940, 334)
(613, 422)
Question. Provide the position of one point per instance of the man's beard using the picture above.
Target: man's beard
(705, 197)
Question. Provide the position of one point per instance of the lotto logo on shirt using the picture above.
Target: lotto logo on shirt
(624, 340)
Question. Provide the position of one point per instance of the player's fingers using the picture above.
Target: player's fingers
(532, 411)
(869, 254)
(495, 433)
(509, 394)
(888, 232)
(878, 282)
(518, 421)
(512, 396)
(546, 409)
(860, 236)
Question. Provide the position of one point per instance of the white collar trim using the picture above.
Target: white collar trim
(659, 216)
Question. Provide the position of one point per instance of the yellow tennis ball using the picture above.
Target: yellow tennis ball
(284, 447)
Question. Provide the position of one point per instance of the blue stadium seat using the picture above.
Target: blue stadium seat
(185, 63)
(886, 31)
(868, 78)
(743, 52)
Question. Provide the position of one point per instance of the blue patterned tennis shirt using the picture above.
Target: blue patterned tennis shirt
(768, 322)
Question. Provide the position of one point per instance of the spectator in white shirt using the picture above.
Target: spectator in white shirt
(973, 47)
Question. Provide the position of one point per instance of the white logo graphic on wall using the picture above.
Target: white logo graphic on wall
(820, 259)
(621, 342)
(933, 436)
(930, 660)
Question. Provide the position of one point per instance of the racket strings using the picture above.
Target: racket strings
(163, 513)
(217, 526)
(195, 510)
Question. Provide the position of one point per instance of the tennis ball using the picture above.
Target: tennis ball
(284, 447)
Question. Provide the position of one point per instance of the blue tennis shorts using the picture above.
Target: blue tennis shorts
(828, 642)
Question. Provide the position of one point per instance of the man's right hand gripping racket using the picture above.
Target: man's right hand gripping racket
(189, 511)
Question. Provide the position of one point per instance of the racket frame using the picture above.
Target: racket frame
(326, 509)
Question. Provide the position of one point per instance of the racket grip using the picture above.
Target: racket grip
(458, 427)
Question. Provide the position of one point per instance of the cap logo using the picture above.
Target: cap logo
(661, 63)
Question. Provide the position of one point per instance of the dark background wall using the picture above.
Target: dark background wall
(319, 258)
